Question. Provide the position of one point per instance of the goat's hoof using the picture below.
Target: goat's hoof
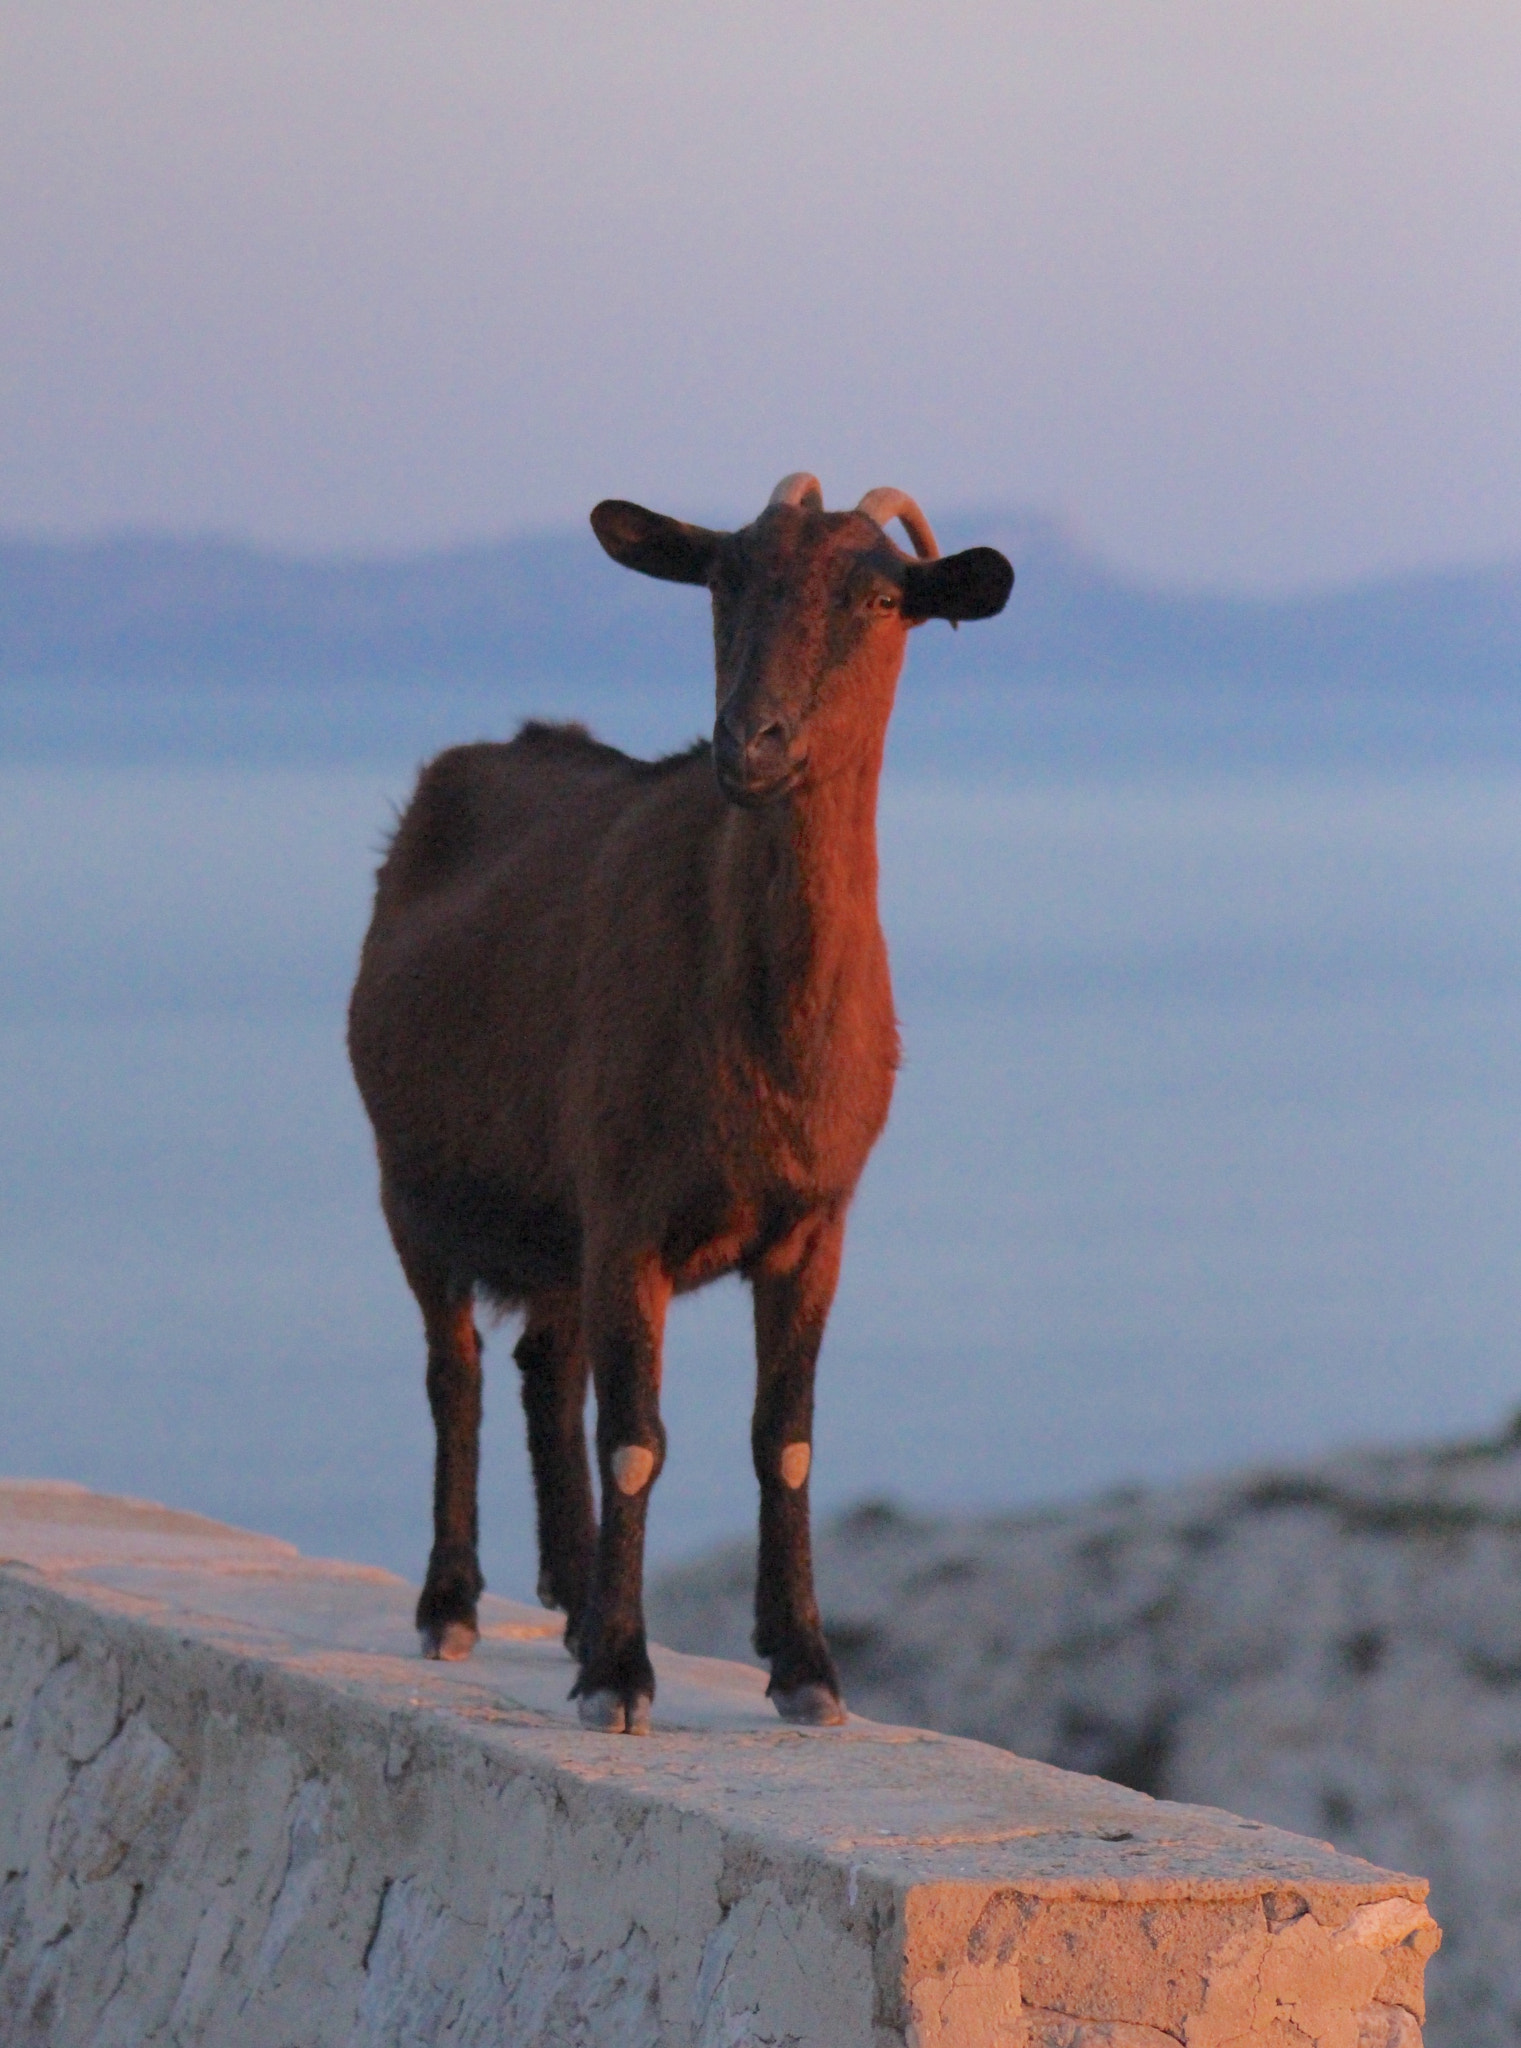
(449, 1642)
(608, 1713)
(811, 1706)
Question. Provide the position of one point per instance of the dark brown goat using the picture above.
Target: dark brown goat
(624, 1026)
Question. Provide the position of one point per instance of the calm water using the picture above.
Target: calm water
(1206, 1148)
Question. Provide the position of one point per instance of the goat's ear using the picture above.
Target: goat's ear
(654, 544)
(972, 585)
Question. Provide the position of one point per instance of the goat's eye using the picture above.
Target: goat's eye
(883, 601)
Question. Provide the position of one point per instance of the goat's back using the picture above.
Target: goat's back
(477, 806)
(458, 1027)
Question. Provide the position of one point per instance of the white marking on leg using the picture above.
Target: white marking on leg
(795, 1460)
(632, 1465)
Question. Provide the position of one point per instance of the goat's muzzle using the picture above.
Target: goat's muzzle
(755, 767)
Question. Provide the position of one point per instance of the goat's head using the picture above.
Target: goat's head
(811, 615)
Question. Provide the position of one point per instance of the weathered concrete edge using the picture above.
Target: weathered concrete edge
(301, 1830)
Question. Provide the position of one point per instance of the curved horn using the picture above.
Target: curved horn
(799, 489)
(885, 503)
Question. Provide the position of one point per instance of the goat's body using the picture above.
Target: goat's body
(622, 1027)
(547, 980)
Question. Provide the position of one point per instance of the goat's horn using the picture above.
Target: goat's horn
(885, 503)
(799, 489)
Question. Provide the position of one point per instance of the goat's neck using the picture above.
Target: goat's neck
(806, 963)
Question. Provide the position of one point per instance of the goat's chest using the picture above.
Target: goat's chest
(779, 1140)
(799, 1126)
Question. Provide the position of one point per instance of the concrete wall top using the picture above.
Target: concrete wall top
(236, 1806)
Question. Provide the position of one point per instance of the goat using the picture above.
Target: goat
(622, 1027)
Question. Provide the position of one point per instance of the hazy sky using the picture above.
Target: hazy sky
(1234, 285)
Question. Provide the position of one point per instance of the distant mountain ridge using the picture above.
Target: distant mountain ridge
(140, 607)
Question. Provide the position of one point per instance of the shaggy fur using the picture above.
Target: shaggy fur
(623, 1027)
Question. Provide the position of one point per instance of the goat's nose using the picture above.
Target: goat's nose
(766, 752)
(753, 762)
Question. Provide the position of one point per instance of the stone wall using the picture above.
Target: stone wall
(1333, 1648)
(235, 1808)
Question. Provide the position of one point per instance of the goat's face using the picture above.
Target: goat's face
(811, 613)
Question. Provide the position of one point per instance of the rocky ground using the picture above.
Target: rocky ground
(1335, 1648)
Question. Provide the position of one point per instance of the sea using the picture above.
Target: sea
(1206, 1150)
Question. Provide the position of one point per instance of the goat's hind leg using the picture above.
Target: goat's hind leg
(446, 1609)
(553, 1365)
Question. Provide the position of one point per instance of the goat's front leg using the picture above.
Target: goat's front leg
(624, 1302)
(793, 1289)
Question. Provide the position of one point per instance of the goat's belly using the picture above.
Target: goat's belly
(493, 1236)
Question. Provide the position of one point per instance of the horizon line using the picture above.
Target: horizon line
(1049, 525)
